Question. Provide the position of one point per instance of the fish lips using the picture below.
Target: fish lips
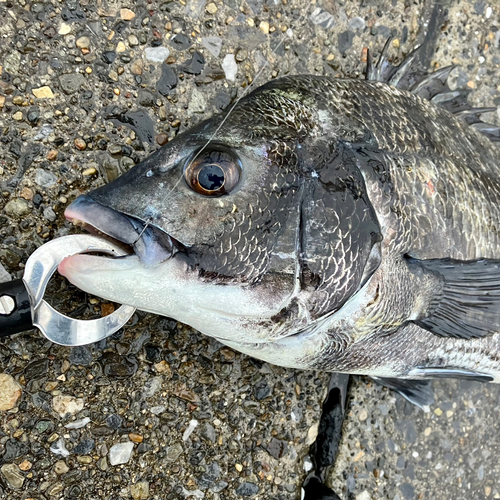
(152, 245)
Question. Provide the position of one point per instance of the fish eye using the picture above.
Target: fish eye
(213, 171)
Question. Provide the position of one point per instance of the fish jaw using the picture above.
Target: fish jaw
(150, 244)
(228, 313)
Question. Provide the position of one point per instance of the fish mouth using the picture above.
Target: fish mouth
(151, 244)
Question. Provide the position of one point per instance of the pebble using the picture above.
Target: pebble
(322, 18)
(189, 430)
(174, 452)
(264, 27)
(114, 421)
(17, 207)
(60, 467)
(230, 67)
(80, 144)
(49, 214)
(10, 390)
(13, 476)
(120, 453)
(195, 65)
(127, 14)
(55, 489)
(363, 415)
(167, 80)
(64, 29)
(140, 490)
(213, 44)
(162, 139)
(44, 92)
(120, 47)
(18, 116)
(25, 465)
(84, 447)
(44, 178)
(80, 356)
(59, 448)
(211, 8)
(133, 41)
(157, 54)
(247, 490)
(364, 495)
(52, 155)
(83, 42)
(67, 404)
(344, 41)
(180, 42)
(71, 82)
(137, 67)
(356, 23)
(89, 171)
(135, 438)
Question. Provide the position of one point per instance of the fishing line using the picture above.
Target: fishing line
(288, 33)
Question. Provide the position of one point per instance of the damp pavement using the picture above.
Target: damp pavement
(158, 411)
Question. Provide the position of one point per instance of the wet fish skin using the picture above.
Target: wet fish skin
(319, 258)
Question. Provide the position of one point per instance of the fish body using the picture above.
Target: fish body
(335, 224)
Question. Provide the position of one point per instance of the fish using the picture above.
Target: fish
(344, 225)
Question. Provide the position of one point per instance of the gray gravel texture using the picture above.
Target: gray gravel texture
(81, 101)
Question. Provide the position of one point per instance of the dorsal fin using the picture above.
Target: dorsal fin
(431, 86)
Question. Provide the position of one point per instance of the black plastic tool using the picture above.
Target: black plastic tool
(15, 308)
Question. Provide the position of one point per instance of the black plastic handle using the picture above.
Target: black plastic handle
(19, 319)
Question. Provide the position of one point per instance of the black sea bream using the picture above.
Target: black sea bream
(335, 224)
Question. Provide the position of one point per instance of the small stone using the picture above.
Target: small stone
(80, 144)
(89, 171)
(180, 41)
(174, 452)
(133, 41)
(25, 465)
(127, 14)
(163, 367)
(120, 47)
(247, 490)
(80, 355)
(241, 55)
(137, 66)
(60, 467)
(322, 18)
(107, 308)
(44, 92)
(190, 429)
(140, 490)
(17, 207)
(78, 424)
(84, 459)
(162, 139)
(67, 404)
(10, 392)
(44, 178)
(84, 447)
(238, 467)
(364, 495)
(195, 65)
(135, 438)
(71, 82)
(64, 29)
(213, 44)
(59, 448)
(83, 42)
(18, 116)
(14, 478)
(438, 412)
(114, 421)
(264, 27)
(356, 23)
(2, 101)
(120, 453)
(211, 8)
(55, 489)
(157, 54)
(363, 415)
(230, 67)
(52, 154)
(345, 40)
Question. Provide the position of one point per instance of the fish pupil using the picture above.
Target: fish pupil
(211, 177)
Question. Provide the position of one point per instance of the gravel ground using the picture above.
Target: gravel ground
(87, 89)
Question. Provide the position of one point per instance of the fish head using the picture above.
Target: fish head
(215, 221)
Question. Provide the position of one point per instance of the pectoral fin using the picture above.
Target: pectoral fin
(418, 392)
(467, 302)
